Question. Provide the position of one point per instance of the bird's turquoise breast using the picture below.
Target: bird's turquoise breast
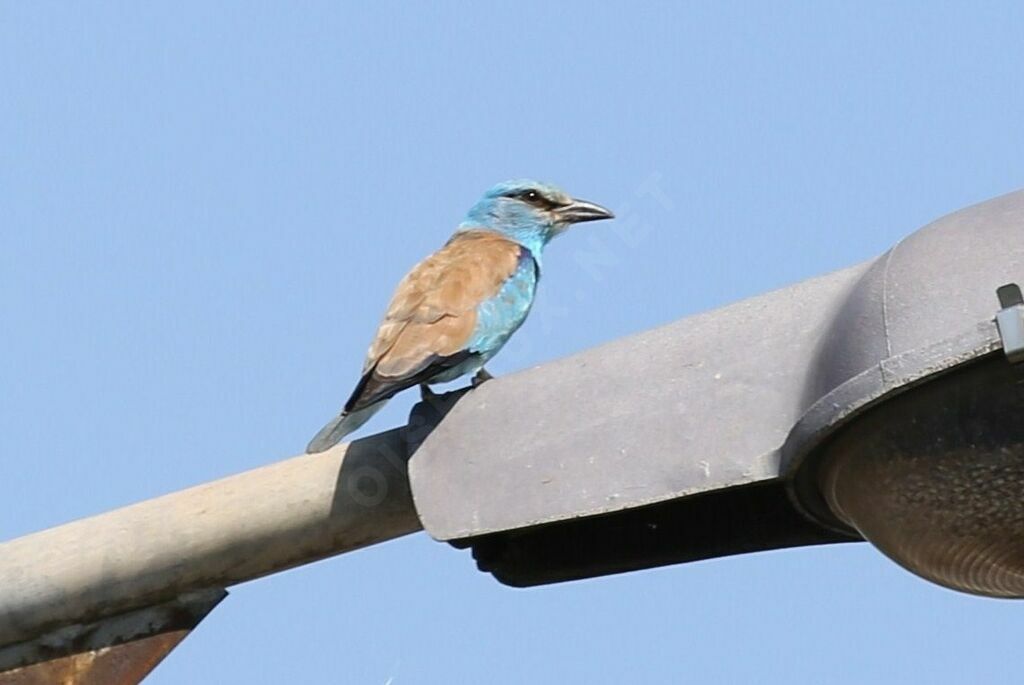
(501, 315)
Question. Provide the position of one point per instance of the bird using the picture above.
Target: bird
(458, 307)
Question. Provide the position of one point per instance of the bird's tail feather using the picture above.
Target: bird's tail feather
(340, 426)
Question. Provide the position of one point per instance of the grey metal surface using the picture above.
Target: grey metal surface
(719, 400)
(214, 535)
(698, 405)
(925, 307)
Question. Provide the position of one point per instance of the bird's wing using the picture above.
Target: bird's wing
(433, 314)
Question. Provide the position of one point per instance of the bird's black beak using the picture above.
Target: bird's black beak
(579, 211)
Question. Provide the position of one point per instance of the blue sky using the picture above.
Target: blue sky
(205, 206)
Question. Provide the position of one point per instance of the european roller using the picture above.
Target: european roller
(456, 309)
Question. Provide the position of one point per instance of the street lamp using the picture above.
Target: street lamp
(881, 402)
(878, 403)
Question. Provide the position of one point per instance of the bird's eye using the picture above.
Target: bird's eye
(534, 197)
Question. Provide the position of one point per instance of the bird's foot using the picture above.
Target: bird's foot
(480, 378)
(426, 394)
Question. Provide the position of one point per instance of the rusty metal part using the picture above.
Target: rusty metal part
(125, 664)
(119, 650)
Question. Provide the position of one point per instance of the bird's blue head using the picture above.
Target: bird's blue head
(530, 213)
